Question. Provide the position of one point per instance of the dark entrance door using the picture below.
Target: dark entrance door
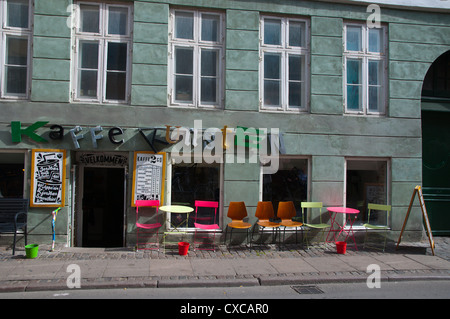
(103, 207)
(436, 169)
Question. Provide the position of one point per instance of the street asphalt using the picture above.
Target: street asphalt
(101, 268)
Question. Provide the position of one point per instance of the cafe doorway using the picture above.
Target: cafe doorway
(100, 214)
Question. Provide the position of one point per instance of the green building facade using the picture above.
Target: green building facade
(329, 92)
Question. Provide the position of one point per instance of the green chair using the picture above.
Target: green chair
(371, 208)
(319, 226)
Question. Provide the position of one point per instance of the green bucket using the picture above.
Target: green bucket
(31, 251)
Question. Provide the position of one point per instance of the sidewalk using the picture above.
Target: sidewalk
(291, 265)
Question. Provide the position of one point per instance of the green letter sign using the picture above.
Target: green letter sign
(17, 131)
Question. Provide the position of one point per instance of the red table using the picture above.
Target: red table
(349, 213)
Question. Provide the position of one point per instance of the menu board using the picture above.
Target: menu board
(148, 176)
(48, 174)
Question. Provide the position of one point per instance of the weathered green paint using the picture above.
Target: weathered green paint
(324, 134)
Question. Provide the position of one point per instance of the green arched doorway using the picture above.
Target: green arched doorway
(436, 144)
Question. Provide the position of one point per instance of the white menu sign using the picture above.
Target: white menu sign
(148, 176)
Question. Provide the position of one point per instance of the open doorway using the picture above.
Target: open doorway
(103, 207)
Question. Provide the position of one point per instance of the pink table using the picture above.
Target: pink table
(349, 213)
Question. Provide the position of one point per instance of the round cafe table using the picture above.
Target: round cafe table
(346, 227)
(175, 228)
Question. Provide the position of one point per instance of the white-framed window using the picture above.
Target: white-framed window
(15, 53)
(102, 52)
(284, 64)
(196, 59)
(365, 69)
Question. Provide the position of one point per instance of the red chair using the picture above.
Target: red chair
(144, 231)
(203, 228)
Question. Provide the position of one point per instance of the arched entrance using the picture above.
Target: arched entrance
(436, 144)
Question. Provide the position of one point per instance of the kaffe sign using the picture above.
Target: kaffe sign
(148, 176)
(48, 176)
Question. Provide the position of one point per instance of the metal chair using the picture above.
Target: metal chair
(204, 228)
(264, 212)
(147, 230)
(319, 226)
(371, 208)
(237, 212)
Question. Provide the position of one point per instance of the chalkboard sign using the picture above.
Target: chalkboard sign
(148, 176)
(48, 174)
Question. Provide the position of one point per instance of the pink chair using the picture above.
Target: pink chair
(145, 231)
(202, 228)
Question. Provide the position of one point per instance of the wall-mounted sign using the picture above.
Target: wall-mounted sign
(148, 176)
(48, 174)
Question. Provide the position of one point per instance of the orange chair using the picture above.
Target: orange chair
(237, 212)
(147, 230)
(264, 212)
(286, 211)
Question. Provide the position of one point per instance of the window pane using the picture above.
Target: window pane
(375, 72)
(210, 27)
(209, 90)
(354, 38)
(374, 98)
(296, 30)
(184, 25)
(366, 183)
(289, 183)
(12, 168)
(272, 93)
(89, 55)
(295, 68)
(354, 97)
(201, 177)
(183, 88)
(354, 92)
(272, 31)
(118, 20)
(17, 49)
(16, 79)
(89, 18)
(115, 85)
(209, 63)
(184, 59)
(272, 66)
(375, 40)
(88, 83)
(295, 94)
(117, 56)
(18, 14)
(354, 71)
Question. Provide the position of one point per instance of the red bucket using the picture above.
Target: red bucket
(183, 248)
(341, 247)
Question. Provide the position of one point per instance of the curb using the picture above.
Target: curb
(264, 280)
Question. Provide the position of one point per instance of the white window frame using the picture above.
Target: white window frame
(103, 38)
(6, 31)
(197, 44)
(365, 56)
(285, 50)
